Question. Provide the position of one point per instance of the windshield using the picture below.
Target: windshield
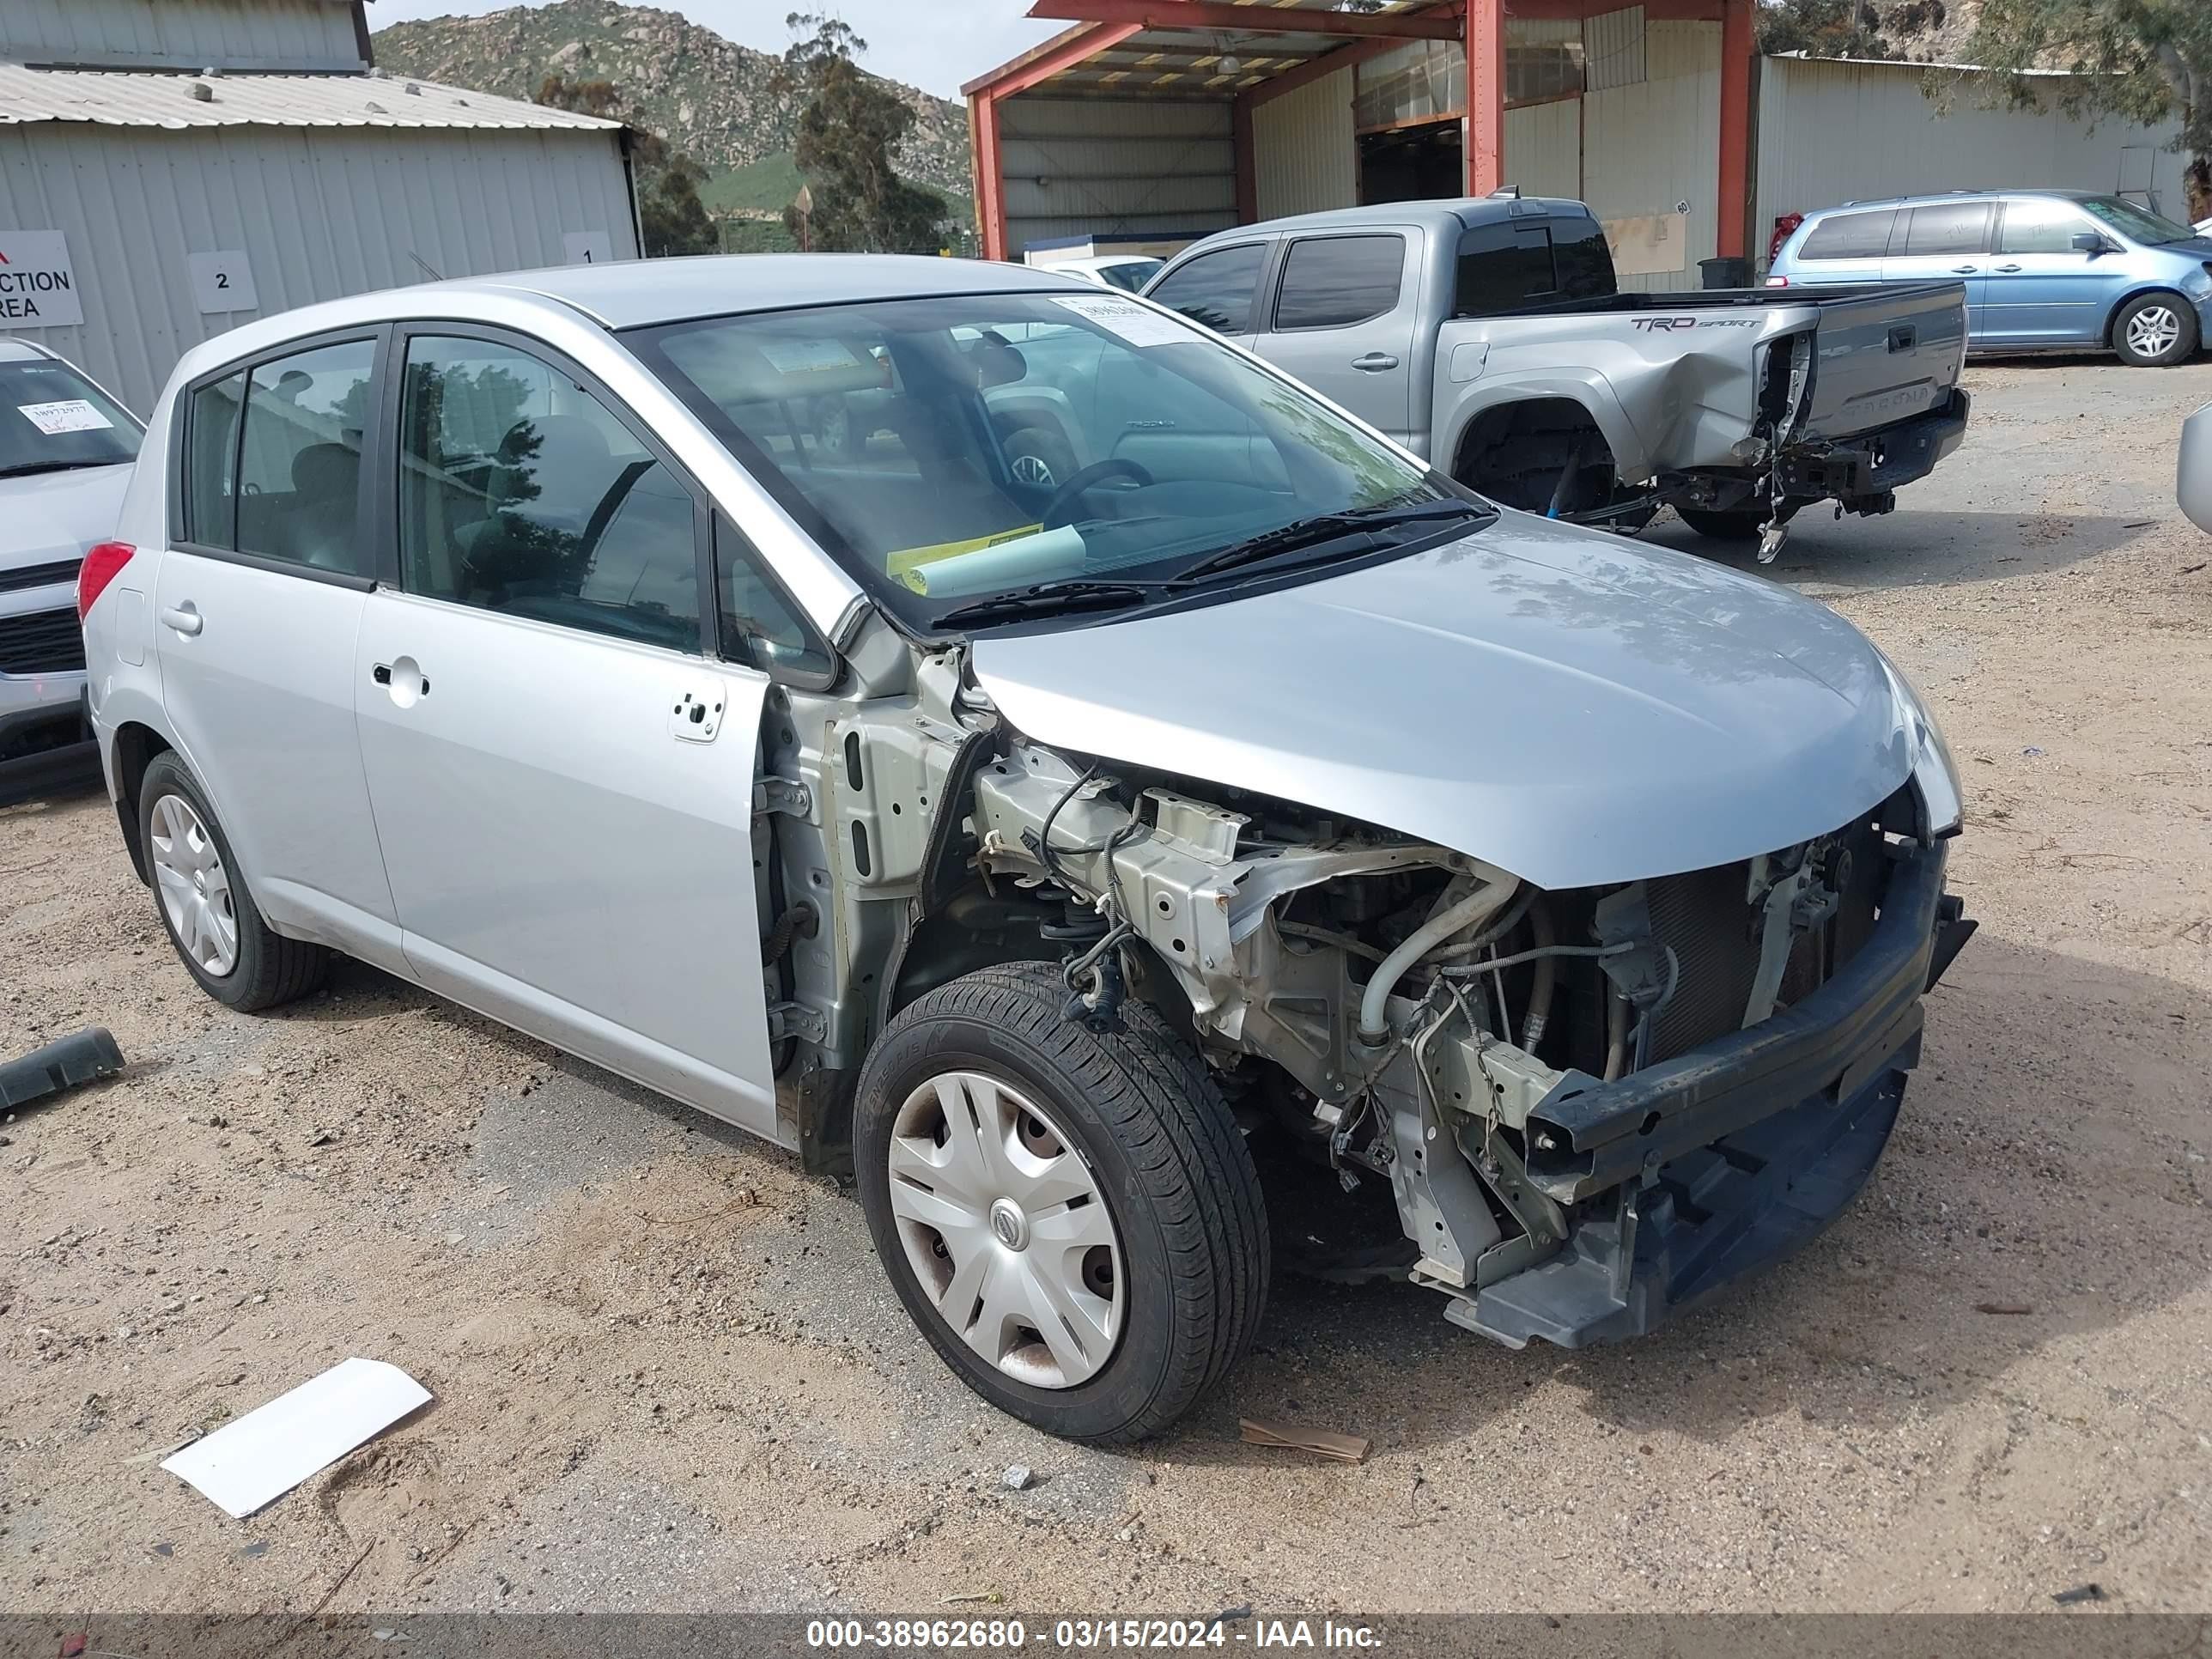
(51, 418)
(2137, 224)
(946, 450)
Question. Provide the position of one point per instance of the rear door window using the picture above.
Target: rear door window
(1850, 236)
(1947, 228)
(299, 463)
(1334, 282)
(1215, 289)
(211, 463)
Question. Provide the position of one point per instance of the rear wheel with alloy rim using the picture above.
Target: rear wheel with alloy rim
(203, 903)
(1070, 1216)
(2154, 330)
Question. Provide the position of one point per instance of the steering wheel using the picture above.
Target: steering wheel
(1062, 509)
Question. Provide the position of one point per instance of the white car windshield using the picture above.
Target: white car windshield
(949, 450)
(54, 420)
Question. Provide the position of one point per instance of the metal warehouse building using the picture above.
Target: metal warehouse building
(1191, 116)
(172, 169)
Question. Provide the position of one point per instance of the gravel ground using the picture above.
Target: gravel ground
(669, 1375)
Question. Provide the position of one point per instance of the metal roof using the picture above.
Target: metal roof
(1185, 63)
(123, 97)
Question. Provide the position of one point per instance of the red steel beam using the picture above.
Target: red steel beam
(1737, 49)
(1244, 20)
(1485, 143)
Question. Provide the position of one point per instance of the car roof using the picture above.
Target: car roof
(1936, 198)
(1467, 211)
(634, 293)
(22, 352)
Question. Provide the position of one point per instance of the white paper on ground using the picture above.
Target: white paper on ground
(270, 1450)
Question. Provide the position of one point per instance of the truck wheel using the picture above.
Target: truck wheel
(2154, 330)
(1070, 1216)
(201, 897)
(1736, 525)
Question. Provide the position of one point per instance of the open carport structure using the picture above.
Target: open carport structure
(1157, 119)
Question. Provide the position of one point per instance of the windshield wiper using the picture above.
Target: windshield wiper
(30, 467)
(1324, 527)
(1050, 598)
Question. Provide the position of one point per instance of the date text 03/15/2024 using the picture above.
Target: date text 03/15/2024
(986, 1636)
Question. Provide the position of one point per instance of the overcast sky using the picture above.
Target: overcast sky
(934, 44)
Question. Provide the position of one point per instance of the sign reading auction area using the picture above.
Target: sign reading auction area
(38, 289)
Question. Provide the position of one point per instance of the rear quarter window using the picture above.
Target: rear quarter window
(1850, 236)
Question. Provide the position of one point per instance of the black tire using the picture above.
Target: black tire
(270, 970)
(1736, 524)
(2184, 338)
(1173, 1169)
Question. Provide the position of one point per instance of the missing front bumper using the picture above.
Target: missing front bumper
(1692, 1175)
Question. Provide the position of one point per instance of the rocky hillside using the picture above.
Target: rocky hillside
(707, 95)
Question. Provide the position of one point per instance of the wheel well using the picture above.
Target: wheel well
(970, 931)
(1515, 452)
(136, 746)
(2112, 321)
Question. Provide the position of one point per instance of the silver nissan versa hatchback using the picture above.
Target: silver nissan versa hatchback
(1101, 798)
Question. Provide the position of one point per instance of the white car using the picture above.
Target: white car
(1129, 272)
(66, 450)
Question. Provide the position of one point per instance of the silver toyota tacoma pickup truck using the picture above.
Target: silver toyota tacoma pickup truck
(1490, 338)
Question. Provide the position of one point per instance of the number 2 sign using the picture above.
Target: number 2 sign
(223, 282)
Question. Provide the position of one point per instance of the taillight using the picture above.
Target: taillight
(1778, 281)
(101, 566)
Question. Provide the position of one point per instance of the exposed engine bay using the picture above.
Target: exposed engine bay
(1401, 1017)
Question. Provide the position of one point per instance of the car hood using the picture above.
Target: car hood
(46, 517)
(1570, 706)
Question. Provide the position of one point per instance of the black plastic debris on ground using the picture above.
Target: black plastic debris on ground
(69, 1063)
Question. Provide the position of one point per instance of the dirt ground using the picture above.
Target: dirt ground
(669, 1375)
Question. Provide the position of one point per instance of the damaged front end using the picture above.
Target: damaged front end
(1589, 1106)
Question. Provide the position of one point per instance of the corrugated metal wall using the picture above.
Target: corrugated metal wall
(1544, 148)
(1304, 157)
(1612, 50)
(271, 35)
(319, 214)
(1648, 146)
(1079, 167)
(1831, 132)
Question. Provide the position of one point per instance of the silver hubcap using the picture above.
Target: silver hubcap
(2153, 329)
(1033, 470)
(1006, 1229)
(194, 887)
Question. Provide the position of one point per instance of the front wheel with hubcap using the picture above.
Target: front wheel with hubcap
(1070, 1216)
(2154, 330)
(211, 918)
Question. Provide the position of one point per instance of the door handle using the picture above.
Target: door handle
(413, 683)
(1964, 271)
(1375, 362)
(184, 618)
(2008, 269)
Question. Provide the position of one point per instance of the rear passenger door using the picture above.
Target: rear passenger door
(1945, 242)
(1343, 321)
(257, 607)
(561, 767)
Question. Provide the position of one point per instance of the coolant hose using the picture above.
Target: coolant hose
(1476, 906)
(1543, 935)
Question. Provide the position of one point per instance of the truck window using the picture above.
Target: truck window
(1510, 263)
(1850, 236)
(1947, 228)
(1334, 282)
(1215, 289)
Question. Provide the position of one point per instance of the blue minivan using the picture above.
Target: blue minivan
(2044, 270)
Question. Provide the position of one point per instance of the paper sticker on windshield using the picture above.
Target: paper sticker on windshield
(808, 356)
(1139, 325)
(70, 415)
